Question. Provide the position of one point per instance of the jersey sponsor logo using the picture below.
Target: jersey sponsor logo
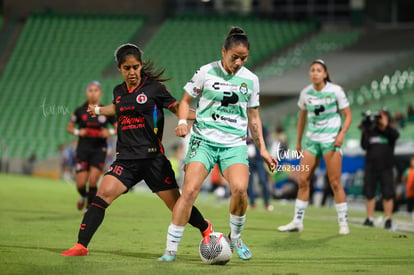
(243, 89)
(320, 101)
(224, 118)
(229, 98)
(220, 85)
(118, 99)
(168, 180)
(128, 122)
(102, 119)
(225, 110)
(127, 108)
(319, 110)
(378, 140)
(142, 98)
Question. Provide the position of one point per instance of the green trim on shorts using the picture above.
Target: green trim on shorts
(319, 149)
(200, 150)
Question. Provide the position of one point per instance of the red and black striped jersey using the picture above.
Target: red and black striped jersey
(141, 118)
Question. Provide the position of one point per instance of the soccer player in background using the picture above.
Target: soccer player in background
(321, 105)
(228, 95)
(92, 147)
(138, 104)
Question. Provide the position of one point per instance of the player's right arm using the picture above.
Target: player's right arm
(301, 128)
(108, 110)
(71, 128)
(183, 111)
(303, 113)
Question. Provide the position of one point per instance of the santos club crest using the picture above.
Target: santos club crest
(142, 98)
(243, 88)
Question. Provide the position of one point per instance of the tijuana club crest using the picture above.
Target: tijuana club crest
(142, 98)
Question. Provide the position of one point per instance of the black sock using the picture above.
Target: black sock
(91, 221)
(91, 194)
(197, 220)
(82, 191)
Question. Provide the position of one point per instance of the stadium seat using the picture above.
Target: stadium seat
(55, 57)
(322, 43)
(195, 41)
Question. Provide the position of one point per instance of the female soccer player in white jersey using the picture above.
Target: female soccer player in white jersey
(228, 100)
(321, 105)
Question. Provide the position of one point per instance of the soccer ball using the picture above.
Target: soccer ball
(218, 251)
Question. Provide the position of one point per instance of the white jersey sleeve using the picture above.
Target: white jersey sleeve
(341, 98)
(195, 86)
(301, 101)
(254, 99)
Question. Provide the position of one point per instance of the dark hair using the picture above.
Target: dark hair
(147, 66)
(320, 61)
(235, 37)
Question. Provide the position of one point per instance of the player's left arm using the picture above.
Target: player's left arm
(255, 127)
(339, 140)
(191, 113)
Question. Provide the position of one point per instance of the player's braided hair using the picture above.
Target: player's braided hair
(147, 66)
(320, 61)
(235, 37)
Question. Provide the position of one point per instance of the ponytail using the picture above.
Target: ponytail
(235, 37)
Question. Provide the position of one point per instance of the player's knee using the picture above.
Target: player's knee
(239, 191)
(105, 195)
(335, 184)
(190, 194)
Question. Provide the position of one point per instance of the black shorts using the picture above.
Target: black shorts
(157, 173)
(384, 178)
(87, 157)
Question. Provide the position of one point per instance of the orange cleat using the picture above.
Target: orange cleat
(206, 233)
(76, 250)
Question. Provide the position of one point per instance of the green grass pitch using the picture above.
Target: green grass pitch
(39, 219)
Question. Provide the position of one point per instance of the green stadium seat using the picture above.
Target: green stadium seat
(322, 43)
(56, 56)
(196, 41)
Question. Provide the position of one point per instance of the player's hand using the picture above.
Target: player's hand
(91, 110)
(298, 147)
(181, 130)
(104, 133)
(270, 160)
(339, 140)
(83, 132)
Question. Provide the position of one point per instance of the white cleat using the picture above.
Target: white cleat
(291, 227)
(344, 230)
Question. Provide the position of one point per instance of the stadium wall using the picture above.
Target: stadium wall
(23, 8)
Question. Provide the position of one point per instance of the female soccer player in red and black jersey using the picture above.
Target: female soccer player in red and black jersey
(138, 104)
(91, 148)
